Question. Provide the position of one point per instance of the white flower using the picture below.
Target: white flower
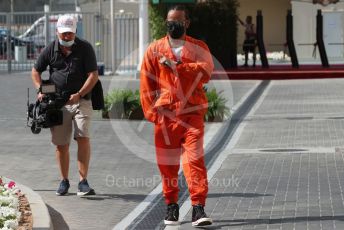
(10, 224)
(7, 211)
(9, 205)
(6, 193)
(11, 200)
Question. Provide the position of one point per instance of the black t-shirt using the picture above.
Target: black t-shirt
(68, 73)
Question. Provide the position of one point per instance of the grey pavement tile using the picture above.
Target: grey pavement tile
(297, 126)
(300, 226)
(339, 224)
(289, 214)
(290, 226)
(229, 227)
(274, 226)
(293, 205)
(260, 227)
(329, 224)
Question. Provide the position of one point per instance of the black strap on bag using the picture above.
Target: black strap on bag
(97, 96)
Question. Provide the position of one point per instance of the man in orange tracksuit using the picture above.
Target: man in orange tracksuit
(173, 72)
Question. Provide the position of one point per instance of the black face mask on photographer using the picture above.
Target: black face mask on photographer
(175, 29)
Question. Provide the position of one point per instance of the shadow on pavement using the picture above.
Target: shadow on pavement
(127, 197)
(57, 219)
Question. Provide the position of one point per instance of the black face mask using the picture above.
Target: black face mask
(175, 29)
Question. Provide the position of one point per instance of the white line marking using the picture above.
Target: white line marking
(139, 209)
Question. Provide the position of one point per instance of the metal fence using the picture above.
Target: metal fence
(23, 35)
(127, 43)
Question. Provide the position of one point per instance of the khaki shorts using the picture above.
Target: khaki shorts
(77, 115)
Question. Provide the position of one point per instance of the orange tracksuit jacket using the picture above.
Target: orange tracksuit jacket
(175, 101)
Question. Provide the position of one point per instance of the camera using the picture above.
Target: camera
(47, 112)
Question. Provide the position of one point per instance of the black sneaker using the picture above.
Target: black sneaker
(172, 214)
(84, 189)
(63, 188)
(199, 218)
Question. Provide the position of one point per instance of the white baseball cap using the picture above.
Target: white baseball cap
(66, 23)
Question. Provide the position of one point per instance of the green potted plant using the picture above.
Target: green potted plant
(217, 109)
(122, 104)
(136, 112)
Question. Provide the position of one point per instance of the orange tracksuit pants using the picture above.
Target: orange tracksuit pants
(182, 138)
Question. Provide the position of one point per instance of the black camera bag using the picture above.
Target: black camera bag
(97, 96)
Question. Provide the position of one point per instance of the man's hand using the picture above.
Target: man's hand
(168, 62)
(74, 98)
(40, 96)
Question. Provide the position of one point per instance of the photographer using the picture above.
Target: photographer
(73, 69)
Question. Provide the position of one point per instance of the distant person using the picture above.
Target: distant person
(173, 73)
(249, 45)
(73, 70)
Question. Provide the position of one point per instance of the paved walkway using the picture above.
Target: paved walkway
(286, 169)
(122, 167)
(282, 169)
